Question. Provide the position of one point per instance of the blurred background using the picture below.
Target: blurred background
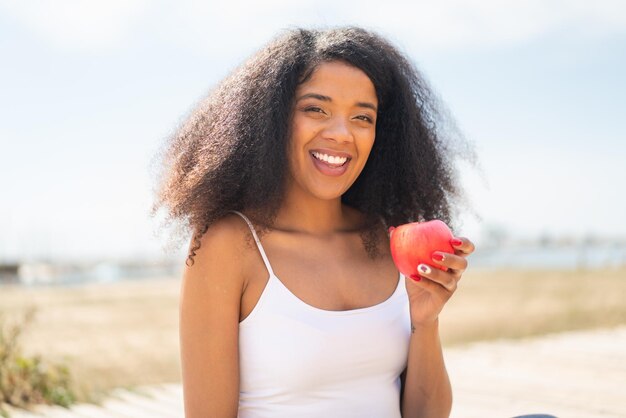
(90, 90)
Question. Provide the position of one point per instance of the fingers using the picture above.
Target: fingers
(430, 286)
(462, 245)
(455, 263)
(447, 280)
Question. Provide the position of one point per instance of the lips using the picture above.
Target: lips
(330, 169)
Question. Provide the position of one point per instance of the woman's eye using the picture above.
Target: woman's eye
(365, 118)
(313, 109)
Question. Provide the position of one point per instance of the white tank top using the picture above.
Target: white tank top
(297, 360)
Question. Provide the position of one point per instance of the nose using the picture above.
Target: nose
(338, 129)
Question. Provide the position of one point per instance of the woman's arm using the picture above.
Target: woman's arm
(209, 324)
(427, 392)
(426, 389)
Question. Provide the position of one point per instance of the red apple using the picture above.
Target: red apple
(414, 243)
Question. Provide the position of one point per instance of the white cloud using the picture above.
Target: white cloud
(443, 24)
(232, 26)
(76, 24)
(455, 24)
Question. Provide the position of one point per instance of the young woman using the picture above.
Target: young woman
(289, 174)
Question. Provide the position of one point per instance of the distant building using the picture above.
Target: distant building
(9, 273)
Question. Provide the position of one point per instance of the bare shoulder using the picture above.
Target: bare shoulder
(226, 244)
(209, 307)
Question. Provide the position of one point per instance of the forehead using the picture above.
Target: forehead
(339, 81)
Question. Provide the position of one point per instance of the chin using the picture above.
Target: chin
(328, 193)
(323, 189)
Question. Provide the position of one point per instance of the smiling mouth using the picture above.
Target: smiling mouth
(329, 160)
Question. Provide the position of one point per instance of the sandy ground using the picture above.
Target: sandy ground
(516, 304)
(126, 334)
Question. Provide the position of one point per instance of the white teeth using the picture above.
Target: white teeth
(331, 159)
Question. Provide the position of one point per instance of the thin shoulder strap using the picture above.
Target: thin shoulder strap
(258, 242)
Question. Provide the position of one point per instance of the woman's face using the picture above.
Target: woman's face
(333, 129)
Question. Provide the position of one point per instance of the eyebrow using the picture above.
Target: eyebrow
(323, 98)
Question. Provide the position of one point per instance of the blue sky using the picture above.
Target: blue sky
(89, 91)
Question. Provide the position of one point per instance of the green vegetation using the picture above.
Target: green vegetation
(27, 380)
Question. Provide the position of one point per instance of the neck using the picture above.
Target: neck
(307, 214)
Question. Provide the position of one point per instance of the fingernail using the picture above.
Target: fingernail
(438, 257)
(424, 268)
(391, 228)
(416, 277)
(456, 242)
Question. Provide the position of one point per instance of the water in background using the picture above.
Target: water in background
(570, 257)
(551, 257)
(69, 274)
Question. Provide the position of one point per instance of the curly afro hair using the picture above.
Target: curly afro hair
(230, 153)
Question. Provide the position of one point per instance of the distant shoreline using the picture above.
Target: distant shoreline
(553, 257)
